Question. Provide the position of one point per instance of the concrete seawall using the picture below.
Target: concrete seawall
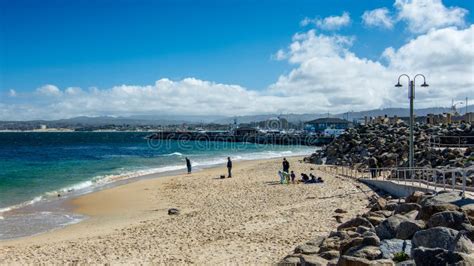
(397, 190)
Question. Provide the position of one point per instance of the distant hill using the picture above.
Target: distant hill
(156, 120)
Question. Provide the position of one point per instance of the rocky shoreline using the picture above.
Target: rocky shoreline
(422, 229)
(388, 143)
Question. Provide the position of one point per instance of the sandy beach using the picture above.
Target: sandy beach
(247, 219)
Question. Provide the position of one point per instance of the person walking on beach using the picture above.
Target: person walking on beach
(188, 165)
(286, 165)
(229, 166)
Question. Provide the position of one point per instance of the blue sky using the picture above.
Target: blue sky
(109, 43)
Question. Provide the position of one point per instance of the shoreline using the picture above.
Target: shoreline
(251, 208)
(58, 207)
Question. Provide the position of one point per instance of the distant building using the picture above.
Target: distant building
(448, 118)
(43, 127)
(321, 124)
(243, 131)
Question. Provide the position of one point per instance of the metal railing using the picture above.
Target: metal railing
(451, 141)
(423, 177)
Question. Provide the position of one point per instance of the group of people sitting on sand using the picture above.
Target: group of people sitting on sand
(286, 176)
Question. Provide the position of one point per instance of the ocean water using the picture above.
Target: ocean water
(36, 167)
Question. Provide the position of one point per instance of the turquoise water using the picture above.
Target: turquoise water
(36, 167)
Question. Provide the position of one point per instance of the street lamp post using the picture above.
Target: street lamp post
(411, 95)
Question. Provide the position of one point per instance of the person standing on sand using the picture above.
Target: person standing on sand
(373, 166)
(229, 166)
(188, 165)
(286, 165)
(293, 176)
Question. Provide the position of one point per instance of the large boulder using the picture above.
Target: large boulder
(451, 219)
(290, 260)
(389, 247)
(371, 240)
(407, 207)
(306, 249)
(442, 197)
(358, 221)
(316, 241)
(443, 237)
(438, 256)
(415, 197)
(428, 210)
(313, 260)
(408, 228)
(354, 261)
(366, 252)
(469, 210)
(379, 204)
(349, 243)
(388, 228)
(329, 255)
(330, 243)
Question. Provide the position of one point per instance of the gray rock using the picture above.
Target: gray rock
(340, 211)
(313, 260)
(349, 243)
(290, 260)
(339, 234)
(469, 210)
(366, 252)
(375, 220)
(371, 240)
(329, 255)
(358, 221)
(438, 256)
(316, 241)
(391, 246)
(411, 214)
(407, 229)
(415, 197)
(306, 249)
(451, 219)
(441, 197)
(443, 237)
(428, 210)
(388, 228)
(362, 229)
(407, 207)
(173, 211)
(354, 261)
(330, 243)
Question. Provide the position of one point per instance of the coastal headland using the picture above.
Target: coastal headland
(248, 219)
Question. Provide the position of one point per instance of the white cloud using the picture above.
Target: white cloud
(327, 75)
(49, 90)
(445, 56)
(329, 23)
(424, 15)
(379, 17)
(12, 93)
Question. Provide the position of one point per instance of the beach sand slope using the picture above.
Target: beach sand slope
(247, 219)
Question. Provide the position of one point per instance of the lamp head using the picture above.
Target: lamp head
(398, 85)
(424, 84)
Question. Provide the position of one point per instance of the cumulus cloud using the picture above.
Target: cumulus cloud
(379, 17)
(424, 15)
(329, 23)
(326, 75)
(445, 56)
(49, 90)
(330, 76)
